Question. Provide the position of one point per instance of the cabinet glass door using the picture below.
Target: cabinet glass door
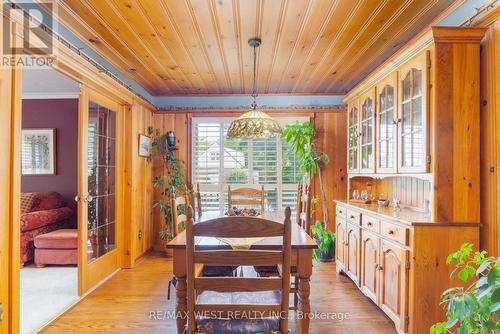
(386, 130)
(413, 143)
(367, 136)
(353, 133)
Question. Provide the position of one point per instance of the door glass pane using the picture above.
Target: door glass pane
(417, 82)
(406, 87)
(367, 134)
(418, 148)
(406, 118)
(406, 150)
(101, 181)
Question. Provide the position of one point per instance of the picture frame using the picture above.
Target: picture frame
(38, 151)
(144, 146)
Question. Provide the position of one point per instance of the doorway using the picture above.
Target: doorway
(49, 185)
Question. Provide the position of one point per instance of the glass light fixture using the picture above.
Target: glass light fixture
(254, 123)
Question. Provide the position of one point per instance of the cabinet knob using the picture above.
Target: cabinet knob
(369, 224)
(380, 268)
(391, 232)
(352, 217)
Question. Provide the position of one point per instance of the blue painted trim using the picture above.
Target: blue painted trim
(462, 13)
(265, 100)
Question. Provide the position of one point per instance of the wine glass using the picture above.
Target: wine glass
(364, 195)
(355, 194)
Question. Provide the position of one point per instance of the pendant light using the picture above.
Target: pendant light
(254, 123)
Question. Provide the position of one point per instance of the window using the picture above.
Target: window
(219, 161)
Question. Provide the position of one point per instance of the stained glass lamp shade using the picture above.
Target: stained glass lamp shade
(254, 123)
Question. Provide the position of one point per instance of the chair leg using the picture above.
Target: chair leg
(295, 295)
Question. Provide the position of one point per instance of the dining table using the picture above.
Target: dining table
(301, 258)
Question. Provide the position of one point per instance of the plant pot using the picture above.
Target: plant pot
(171, 140)
(325, 256)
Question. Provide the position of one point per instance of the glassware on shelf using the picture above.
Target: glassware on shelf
(355, 194)
(364, 195)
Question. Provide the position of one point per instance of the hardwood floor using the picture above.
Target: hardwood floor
(123, 304)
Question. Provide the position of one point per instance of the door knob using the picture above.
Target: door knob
(88, 198)
(77, 198)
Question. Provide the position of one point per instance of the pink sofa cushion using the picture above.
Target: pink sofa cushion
(59, 239)
(36, 219)
(47, 201)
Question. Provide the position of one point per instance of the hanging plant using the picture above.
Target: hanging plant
(170, 176)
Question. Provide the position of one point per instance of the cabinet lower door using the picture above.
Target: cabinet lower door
(340, 244)
(369, 264)
(352, 252)
(393, 282)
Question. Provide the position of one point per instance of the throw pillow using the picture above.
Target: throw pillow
(27, 202)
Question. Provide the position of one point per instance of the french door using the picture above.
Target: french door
(99, 200)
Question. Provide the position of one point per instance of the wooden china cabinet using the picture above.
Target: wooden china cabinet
(413, 135)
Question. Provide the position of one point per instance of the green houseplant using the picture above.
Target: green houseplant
(301, 137)
(475, 308)
(171, 175)
(326, 242)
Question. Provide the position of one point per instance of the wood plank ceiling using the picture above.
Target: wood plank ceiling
(183, 47)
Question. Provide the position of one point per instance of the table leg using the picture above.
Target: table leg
(181, 305)
(304, 304)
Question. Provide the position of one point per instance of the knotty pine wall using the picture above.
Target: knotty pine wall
(330, 127)
(490, 135)
(138, 187)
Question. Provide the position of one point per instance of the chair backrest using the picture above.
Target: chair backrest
(195, 200)
(304, 205)
(246, 197)
(177, 219)
(238, 227)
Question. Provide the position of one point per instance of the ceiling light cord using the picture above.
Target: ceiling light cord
(254, 91)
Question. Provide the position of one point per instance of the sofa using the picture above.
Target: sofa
(41, 212)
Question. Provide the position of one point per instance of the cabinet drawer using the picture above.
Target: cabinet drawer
(341, 211)
(395, 232)
(354, 216)
(370, 223)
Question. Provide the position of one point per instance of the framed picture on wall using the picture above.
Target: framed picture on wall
(38, 152)
(144, 146)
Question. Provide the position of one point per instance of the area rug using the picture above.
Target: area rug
(45, 293)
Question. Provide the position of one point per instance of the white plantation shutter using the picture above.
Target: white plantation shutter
(218, 161)
(206, 153)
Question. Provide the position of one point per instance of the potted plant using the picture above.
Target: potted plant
(170, 176)
(326, 242)
(301, 136)
(171, 140)
(474, 308)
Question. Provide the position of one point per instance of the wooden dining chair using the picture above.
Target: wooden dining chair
(304, 206)
(244, 296)
(195, 200)
(303, 213)
(247, 197)
(177, 219)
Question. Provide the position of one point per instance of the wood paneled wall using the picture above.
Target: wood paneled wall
(490, 137)
(331, 138)
(138, 190)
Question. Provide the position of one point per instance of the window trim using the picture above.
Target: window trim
(222, 187)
